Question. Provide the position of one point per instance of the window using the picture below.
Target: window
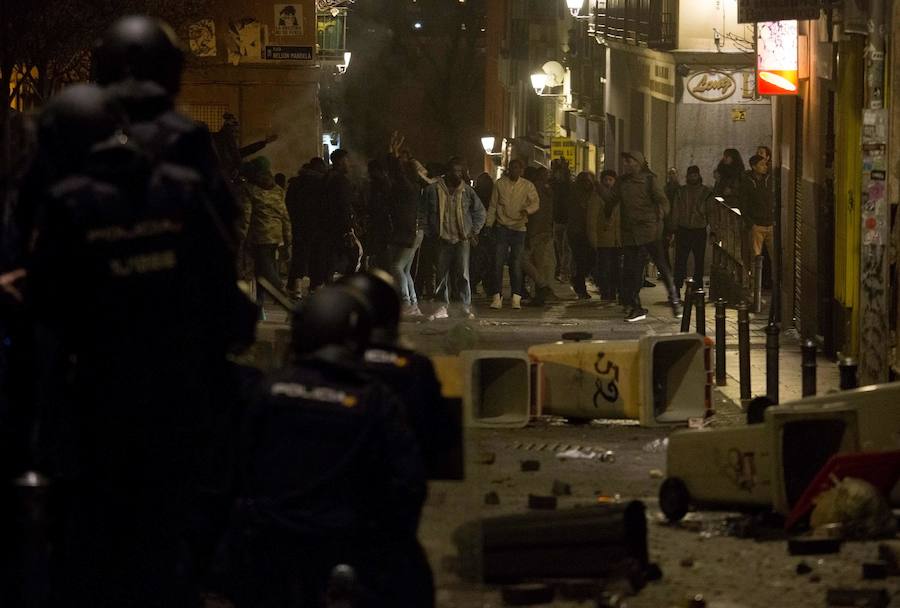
(331, 33)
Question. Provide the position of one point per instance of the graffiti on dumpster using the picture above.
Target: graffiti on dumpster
(607, 382)
(740, 468)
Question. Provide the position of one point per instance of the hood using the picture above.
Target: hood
(638, 156)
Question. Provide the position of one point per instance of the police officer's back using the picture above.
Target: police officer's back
(331, 473)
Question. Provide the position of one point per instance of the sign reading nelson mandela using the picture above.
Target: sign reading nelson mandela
(293, 53)
(753, 11)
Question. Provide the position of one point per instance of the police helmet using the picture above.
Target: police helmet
(74, 120)
(332, 316)
(380, 292)
(142, 48)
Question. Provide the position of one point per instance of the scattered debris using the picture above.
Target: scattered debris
(582, 453)
(657, 445)
(813, 546)
(527, 594)
(609, 500)
(687, 562)
(530, 465)
(695, 602)
(858, 506)
(656, 474)
(610, 600)
(486, 458)
(803, 568)
(541, 502)
(492, 498)
(874, 570)
(561, 488)
(860, 598)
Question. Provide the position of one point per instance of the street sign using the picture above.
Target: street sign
(753, 11)
(565, 148)
(294, 53)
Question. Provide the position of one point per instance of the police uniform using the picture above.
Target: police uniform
(330, 474)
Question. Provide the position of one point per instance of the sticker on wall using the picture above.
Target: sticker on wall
(288, 19)
(244, 40)
(202, 38)
(776, 58)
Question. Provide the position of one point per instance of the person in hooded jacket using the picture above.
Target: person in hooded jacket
(643, 207)
(303, 193)
(690, 221)
(583, 203)
(729, 177)
(604, 234)
(330, 472)
(269, 230)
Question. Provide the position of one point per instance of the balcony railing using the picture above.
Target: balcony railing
(647, 23)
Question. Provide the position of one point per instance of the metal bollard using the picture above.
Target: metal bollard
(808, 367)
(772, 332)
(688, 304)
(700, 305)
(757, 283)
(847, 368)
(744, 349)
(720, 343)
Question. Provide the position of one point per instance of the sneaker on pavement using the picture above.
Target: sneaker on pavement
(516, 301)
(468, 314)
(440, 313)
(636, 314)
(497, 302)
(677, 310)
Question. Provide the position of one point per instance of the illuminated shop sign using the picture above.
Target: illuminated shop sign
(776, 58)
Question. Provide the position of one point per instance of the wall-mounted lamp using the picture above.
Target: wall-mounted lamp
(342, 67)
(552, 76)
(575, 7)
(487, 142)
(539, 81)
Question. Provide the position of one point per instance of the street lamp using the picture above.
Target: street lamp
(487, 142)
(575, 7)
(539, 81)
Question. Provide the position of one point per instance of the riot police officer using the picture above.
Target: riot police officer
(410, 374)
(124, 275)
(330, 472)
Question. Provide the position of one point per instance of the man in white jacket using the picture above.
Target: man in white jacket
(512, 201)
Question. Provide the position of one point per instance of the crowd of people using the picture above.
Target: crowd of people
(443, 235)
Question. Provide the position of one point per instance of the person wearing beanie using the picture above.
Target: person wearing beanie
(689, 221)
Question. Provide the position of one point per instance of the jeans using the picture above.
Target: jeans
(609, 272)
(689, 241)
(633, 272)
(401, 265)
(453, 258)
(266, 266)
(509, 247)
(540, 259)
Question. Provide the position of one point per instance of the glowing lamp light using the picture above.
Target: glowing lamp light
(347, 56)
(538, 82)
(487, 142)
(777, 61)
(574, 6)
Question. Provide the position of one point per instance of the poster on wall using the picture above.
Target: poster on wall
(202, 38)
(244, 40)
(563, 147)
(776, 58)
(289, 19)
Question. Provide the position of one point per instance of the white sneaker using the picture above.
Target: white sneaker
(497, 302)
(440, 313)
(467, 313)
(516, 301)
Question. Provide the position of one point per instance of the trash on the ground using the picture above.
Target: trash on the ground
(541, 502)
(889, 553)
(829, 531)
(561, 488)
(492, 498)
(803, 568)
(608, 599)
(858, 506)
(527, 594)
(687, 562)
(657, 445)
(609, 500)
(486, 458)
(874, 570)
(698, 422)
(695, 602)
(807, 545)
(530, 465)
(859, 598)
(656, 474)
(580, 453)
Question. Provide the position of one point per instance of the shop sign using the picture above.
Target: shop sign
(563, 147)
(710, 86)
(777, 60)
